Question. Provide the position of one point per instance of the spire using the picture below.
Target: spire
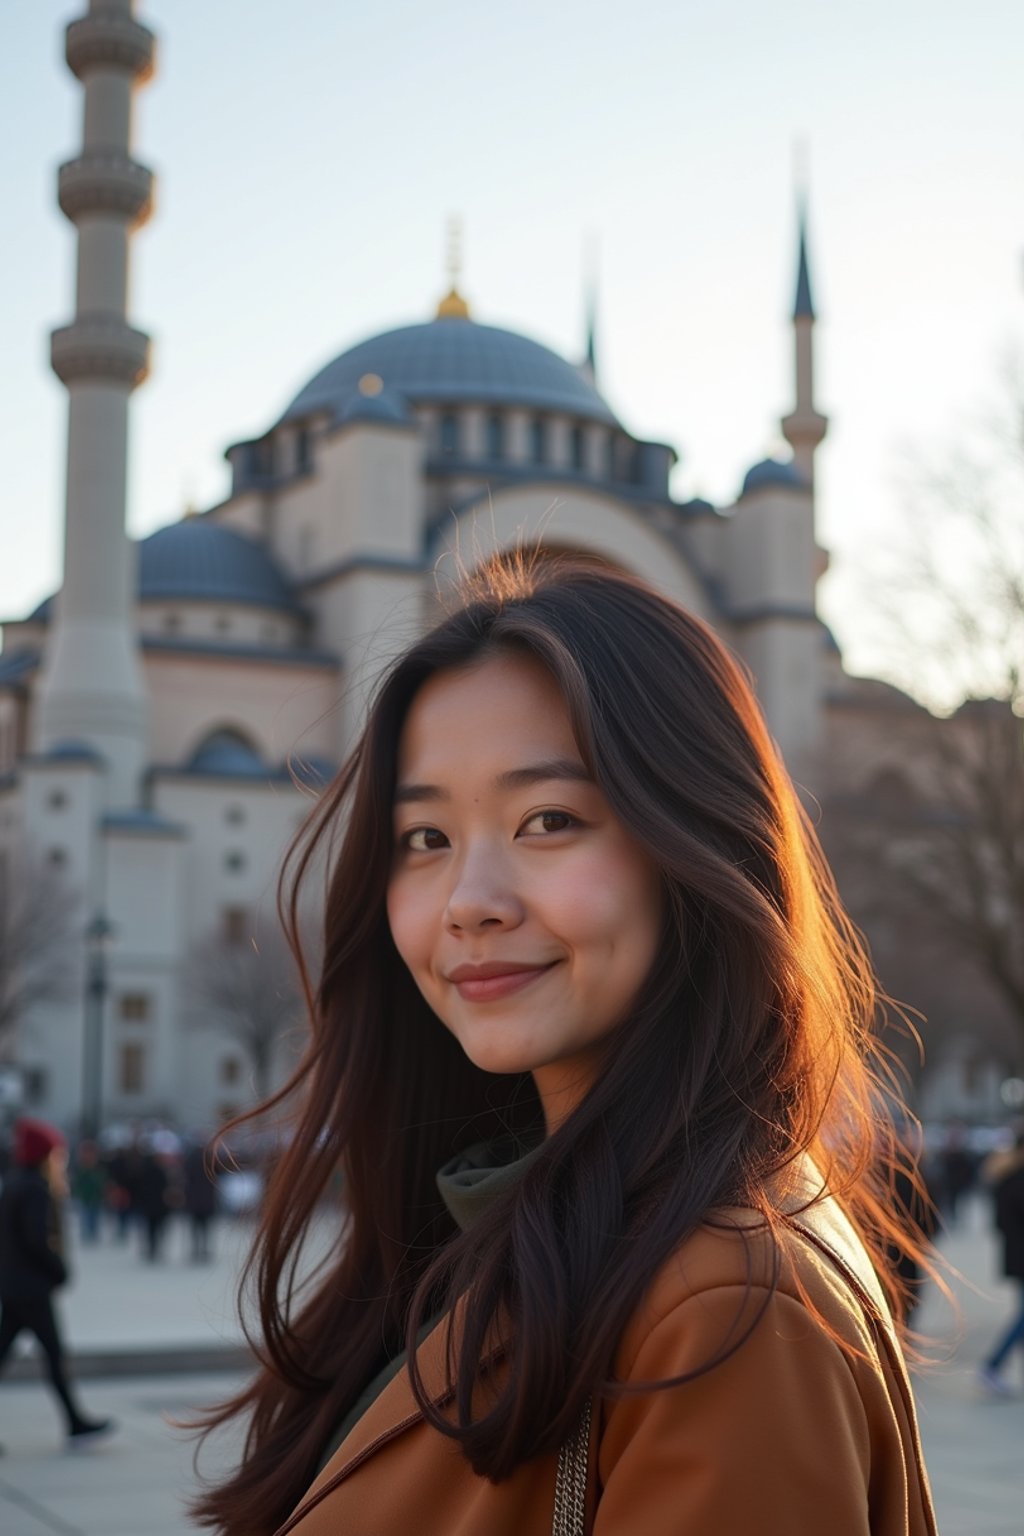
(804, 307)
(588, 367)
(805, 426)
(453, 306)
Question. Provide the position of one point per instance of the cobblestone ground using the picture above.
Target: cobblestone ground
(137, 1483)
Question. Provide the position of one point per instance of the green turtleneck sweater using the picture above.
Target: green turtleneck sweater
(469, 1184)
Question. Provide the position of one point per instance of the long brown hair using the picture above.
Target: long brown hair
(754, 1040)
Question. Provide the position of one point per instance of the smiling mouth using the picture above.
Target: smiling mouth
(486, 989)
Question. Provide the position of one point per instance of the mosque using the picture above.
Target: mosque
(165, 716)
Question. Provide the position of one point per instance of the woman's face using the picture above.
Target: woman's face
(526, 913)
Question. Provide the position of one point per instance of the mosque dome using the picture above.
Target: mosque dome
(200, 560)
(773, 472)
(454, 360)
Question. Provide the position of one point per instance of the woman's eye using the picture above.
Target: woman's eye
(548, 821)
(423, 840)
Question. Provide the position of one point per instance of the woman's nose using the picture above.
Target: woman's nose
(482, 896)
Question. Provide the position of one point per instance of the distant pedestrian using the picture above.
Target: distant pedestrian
(915, 1211)
(122, 1188)
(152, 1203)
(200, 1201)
(32, 1264)
(88, 1189)
(1005, 1174)
(957, 1170)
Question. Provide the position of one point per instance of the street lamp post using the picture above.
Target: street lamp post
(97, 943)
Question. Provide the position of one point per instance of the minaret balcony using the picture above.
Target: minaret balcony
(105, 182)
(804, 426)
(100, 347)
(110, 37)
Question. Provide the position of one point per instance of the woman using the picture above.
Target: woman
(32, 1263)
(582, 956)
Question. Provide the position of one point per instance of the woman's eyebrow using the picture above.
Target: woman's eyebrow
(536, 773)
(566, 768)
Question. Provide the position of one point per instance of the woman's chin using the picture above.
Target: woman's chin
(503, 1057)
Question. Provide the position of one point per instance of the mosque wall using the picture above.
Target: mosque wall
(61, 806)
(220, 622)
(770, 551)
(867, 739)
(147, 902)
(783, 655)
(246, 513)
(365, 498)
(367, 615)
(279, 707)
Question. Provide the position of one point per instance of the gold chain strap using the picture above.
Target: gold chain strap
(571, 1480)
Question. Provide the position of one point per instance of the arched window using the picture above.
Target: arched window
(538, 440)
(495, 436)
(576, 447)
(449, 434)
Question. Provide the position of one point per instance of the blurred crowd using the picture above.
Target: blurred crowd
(130, 1183)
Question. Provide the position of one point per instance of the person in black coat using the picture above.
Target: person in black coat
(32, 1263)
(1007, 1180)
(151, 1202)
(199, 1193)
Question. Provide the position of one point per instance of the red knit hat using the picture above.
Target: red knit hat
(34, 1140)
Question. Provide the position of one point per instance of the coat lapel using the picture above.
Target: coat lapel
(390, 1415)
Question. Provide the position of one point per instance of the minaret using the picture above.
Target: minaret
(804, 427)
(91, 689)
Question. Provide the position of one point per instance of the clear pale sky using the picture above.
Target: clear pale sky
(309, 154)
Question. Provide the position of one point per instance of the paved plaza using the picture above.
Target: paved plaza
(122, 1313)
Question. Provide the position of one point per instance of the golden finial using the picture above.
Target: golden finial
(453, 306)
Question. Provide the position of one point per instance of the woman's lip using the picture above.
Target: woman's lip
(484, 989)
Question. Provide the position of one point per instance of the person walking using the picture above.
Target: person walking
(1004, 1172)
(957, 1172)
(199, 1195)
(152, 1201)
(89, 1189)
(32, 1263)
(595, 1048)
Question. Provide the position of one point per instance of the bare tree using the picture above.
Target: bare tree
(949, 603)
(249, 991)
(961, 856)
(39, 940)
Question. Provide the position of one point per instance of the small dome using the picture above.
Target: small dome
(202, 560)
(773, 472)
(225, 752)
(454, 360)
(372, 401)
(69, 751)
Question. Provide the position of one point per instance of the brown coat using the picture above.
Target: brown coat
(791, 1436)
